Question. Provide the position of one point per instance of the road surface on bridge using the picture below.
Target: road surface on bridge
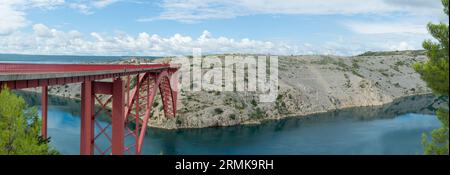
(14, 72)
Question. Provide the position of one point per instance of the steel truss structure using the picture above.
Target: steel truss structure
(130, 101)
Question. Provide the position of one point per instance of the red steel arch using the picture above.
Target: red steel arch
(139, 112)
(137, 106)
(147, 87)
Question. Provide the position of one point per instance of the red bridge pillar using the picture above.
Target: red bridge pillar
(118, 119)
(44, 106)
(87, 119)
(89, 90)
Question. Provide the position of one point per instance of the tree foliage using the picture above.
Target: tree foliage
(20, 127)
(435, 72)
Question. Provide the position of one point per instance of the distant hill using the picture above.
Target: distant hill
(388, 53)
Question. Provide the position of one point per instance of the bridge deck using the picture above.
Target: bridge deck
(33, 75)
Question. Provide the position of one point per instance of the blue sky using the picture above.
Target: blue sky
(172, 27)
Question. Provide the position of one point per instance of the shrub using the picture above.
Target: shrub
(232, 116)
(254, 103)
(218, 110)
(20, 127)
(257, 114)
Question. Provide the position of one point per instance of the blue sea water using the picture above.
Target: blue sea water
(17, 58)
(392, 129)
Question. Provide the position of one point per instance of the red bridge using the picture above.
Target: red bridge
(131, 106)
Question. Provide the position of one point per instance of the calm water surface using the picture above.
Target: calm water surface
(391, 129)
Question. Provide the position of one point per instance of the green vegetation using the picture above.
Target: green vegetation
(133, 82)
(347, 82)
(398, 64)
(155, 104)
(179, 122)
(20, 127)
(341, 65)
(232, 116)
(240, 105)
(355, 64)
(363, 85)
(280, 104)
(257, 114)
(218, 110)
(254, 103)
(390, 53)
(435, 73)
(326, 60)
(384, 72)
(355, 68)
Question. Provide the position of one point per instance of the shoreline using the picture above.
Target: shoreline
(256, 122)
(335, 110)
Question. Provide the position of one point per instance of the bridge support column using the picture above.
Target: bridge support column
(118, 119)
(44, 106)
(174, 86)
(87, 120)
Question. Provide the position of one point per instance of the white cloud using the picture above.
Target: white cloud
(82, 8)
(13, 16)
(45, 4)
(386, 28)
(47, 40)
(10, 18)
(198, 10)
(43, 31)
(87, 7)
(103, 3)
(402, 46)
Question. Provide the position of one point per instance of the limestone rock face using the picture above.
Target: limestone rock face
(307, 85)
